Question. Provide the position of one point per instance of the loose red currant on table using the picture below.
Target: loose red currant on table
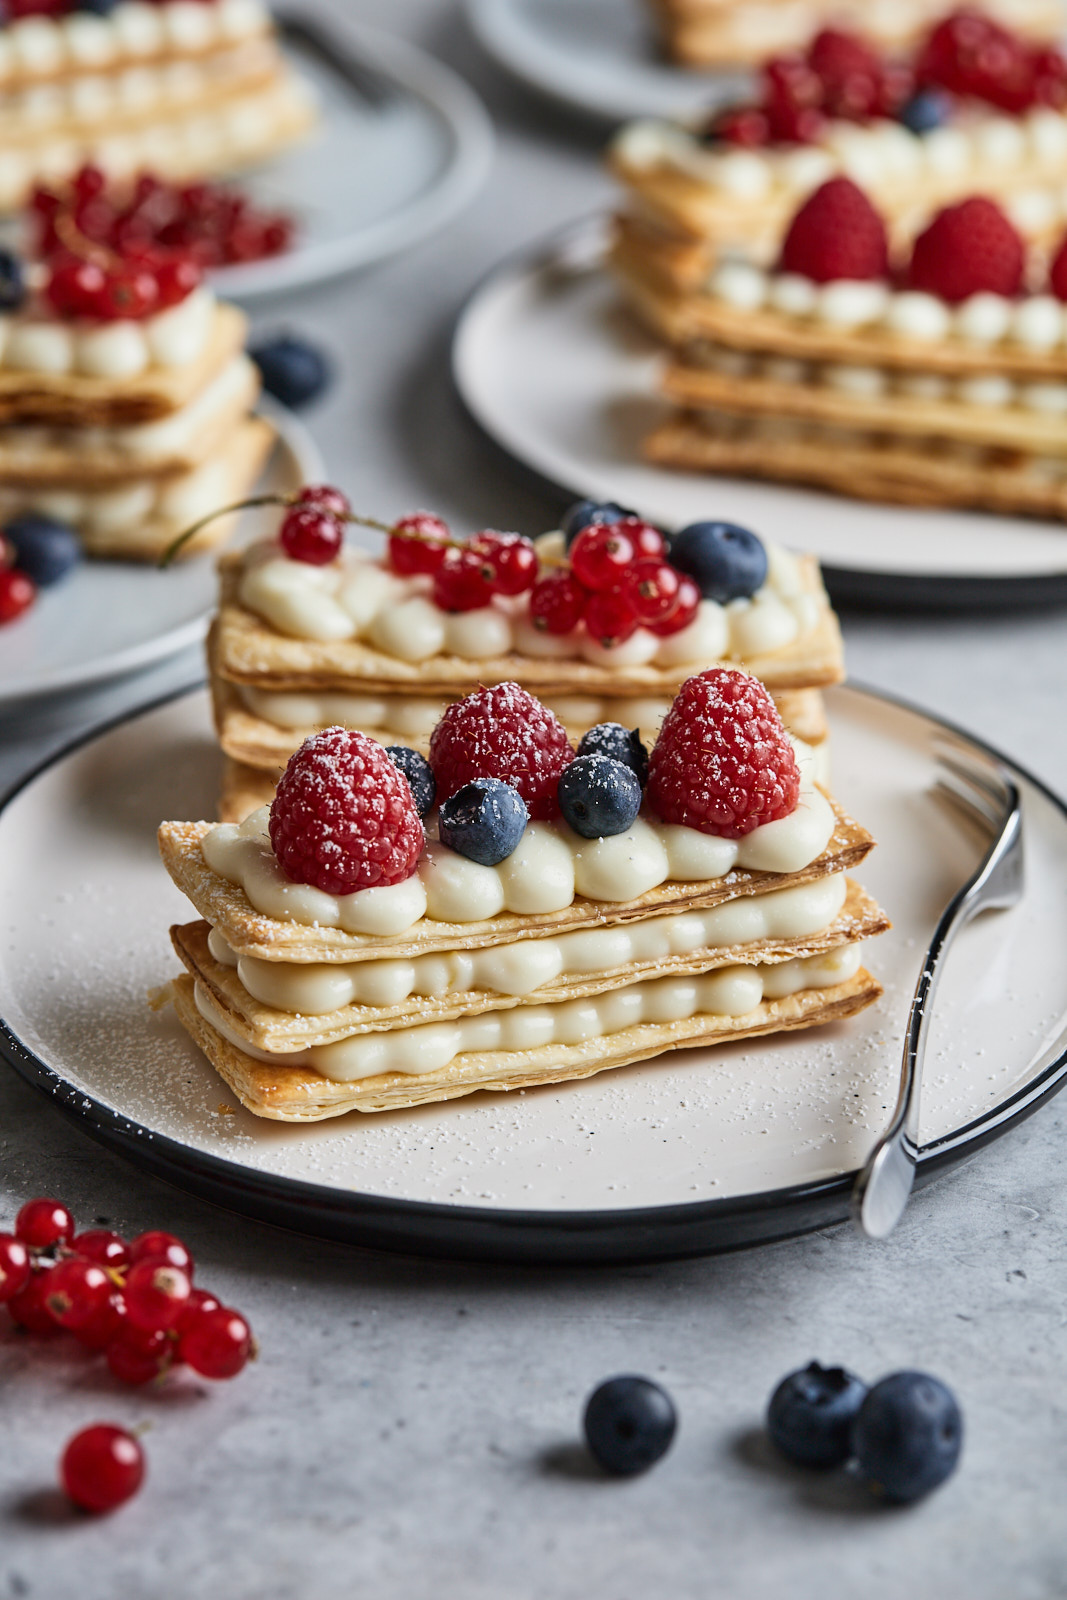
(17, 593)
(29, 1308)
(101, 1245)
(512, 558)
(137, 1355)
(464, 581)
(311, 535)
(105, 1326)
(216, 1343)
(14, 1266)
(324, 497)
(609, 617)
(163, 1248)
(418, 543)
(600, 556)
(78, 1291)
(155, 1294)
(557, 603)
(101, 1467)
(199, 1300)
(42, 1223)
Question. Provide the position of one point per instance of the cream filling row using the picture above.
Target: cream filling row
(43, 46)
(525, 966)
(120, 349)
(727, 992)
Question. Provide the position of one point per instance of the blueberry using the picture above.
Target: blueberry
(926, 110)
(418, 772)
(726, 562)
(12, 282)
(907, 1436)
(583, 512)
(44, 548)
(293, 371)
(483, 821)
(599, 797)
(621, 744)
(810, 1415)
(629, 1424)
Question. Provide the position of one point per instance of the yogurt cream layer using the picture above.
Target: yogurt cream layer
(47, 47)
(176, 501)
(1037, 322)
(523, 968)
(548, 869)
(357, 598)
(122, 349)
(729, 992)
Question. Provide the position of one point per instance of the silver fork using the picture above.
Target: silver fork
(985, 791)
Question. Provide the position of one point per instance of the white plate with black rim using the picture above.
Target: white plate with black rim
(693, 1152)
(557, 372)
(114, 617)
(600, 57)
(401, 145)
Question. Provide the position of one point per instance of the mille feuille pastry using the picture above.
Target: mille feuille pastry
(188, 88)
(725, 33)
(942, 383)
(976, 109)
(125, 400)
(593, 618)
(551, 922)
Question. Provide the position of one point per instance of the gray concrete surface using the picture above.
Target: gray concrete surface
(411, 1428)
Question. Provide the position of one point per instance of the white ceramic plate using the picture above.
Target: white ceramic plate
(697, 1150)
(554, 369)
(113, 617)
(371, 179)
(599, 56)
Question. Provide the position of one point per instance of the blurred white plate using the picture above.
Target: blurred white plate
(113, 617)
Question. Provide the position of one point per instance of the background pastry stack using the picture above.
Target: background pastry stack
(384, 645)
(187, 88)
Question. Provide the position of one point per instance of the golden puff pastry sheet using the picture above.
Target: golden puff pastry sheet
(249, 932)
(74, 400)
(250, 651)
(267, 1028)
(1012, 427)
(244, 789)
(296, 1093)
(34, 456)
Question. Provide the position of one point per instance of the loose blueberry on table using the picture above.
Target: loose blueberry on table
(907, 1436)
(293, 370)
(629, 1423)
(811, 1413)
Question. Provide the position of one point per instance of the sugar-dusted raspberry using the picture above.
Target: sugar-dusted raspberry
(837, 233)
(723, 762)
(343, 818)
(970, 248)
(850, 73)
(504, 733)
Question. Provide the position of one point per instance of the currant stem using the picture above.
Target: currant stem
(224, 511)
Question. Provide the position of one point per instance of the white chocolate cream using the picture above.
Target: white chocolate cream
(727, 992)
(524, 967)
(357, 598)
(548, 869)
(30, 342)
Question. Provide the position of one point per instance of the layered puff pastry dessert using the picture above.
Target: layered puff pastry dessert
(602, 619)
(976, 108)
(188, 88)
(393, 930)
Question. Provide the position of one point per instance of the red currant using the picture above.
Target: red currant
(790, 83)
(78, 1291)
(101, 1467)
(308, 534)
(746, 126)
(129, 294)
(88, 182)
(137, 1356)
(646, 540)
(216, 1343)
(463, 582)
(797, 124)
(418, 544)
(106, 1325)
(42, 1223)
(29, 1308)
(600, 555)
(17, 593)
(161, 1247)
(651, 587)
(686, 607)
(76, 287)
(14, 1266)
(324, 497)
(609, 617)
(176, 278)
(512, 558)
(199, 1300)
(155, 1294)
(557, 603)
(101, 1245)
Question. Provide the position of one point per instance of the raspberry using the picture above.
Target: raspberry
(343, 818)
(505, 733)
(837, 233)
(723, 763)
(968, 249)
(1057, 272)
(849, 71)
(973, 55)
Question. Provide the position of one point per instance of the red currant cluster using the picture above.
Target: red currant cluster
(465, 576)
(970, 54)
(619, 581)
(133, 1300)
(15, 10)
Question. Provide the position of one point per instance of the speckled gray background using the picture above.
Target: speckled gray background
(411, 1428)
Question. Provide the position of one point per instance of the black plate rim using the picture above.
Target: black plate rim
(504, 1235)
